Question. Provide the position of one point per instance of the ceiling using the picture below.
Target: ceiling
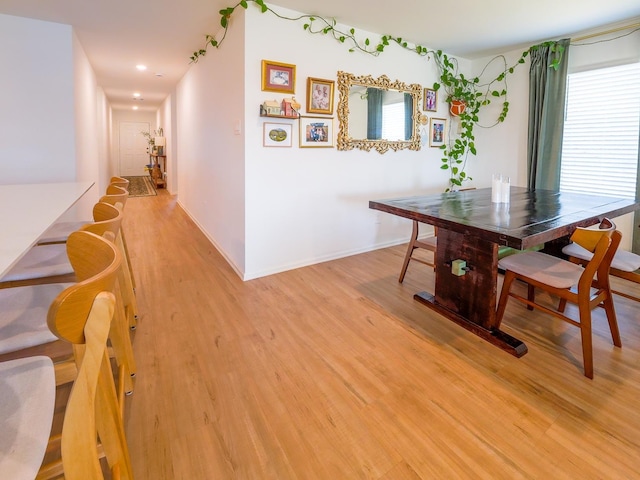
(162, 34)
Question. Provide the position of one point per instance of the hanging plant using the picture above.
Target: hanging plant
(466, 96)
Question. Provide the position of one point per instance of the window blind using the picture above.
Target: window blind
(601, 132)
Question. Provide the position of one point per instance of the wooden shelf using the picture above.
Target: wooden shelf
(265, 114)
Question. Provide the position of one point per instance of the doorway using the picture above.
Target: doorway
(134, 155)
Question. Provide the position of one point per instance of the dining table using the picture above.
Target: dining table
(28, 210)
(471, 229)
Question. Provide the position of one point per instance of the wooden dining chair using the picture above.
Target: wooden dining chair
(428, 244)
(625, 265)
(82, 316)
(22, 323)
(586, 287)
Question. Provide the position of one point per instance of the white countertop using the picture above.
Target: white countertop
(26, 211)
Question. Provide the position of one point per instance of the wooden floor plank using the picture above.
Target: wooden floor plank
(333, 371)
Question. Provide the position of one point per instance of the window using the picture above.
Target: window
(393, 121)
(601, 131)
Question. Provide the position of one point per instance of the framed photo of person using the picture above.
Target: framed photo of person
(320, 96)
(278, 77)
(430, 100)
(316, 132)
(437, 132)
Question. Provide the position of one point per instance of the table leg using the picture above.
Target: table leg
(469, 300)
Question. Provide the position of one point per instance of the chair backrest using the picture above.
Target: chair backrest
(96, 262)
(603, 243)
(115, 195)
(82, 315)
(120, 182)
(107, 218)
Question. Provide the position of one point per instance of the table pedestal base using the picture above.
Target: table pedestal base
(497, 337)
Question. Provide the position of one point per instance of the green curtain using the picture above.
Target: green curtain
(635, 246)
(408, 116)
(374, 113)
(547, 92)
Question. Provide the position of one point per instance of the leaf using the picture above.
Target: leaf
(352, 31)
(444, 167)
(223, 22)
(366, 41)
(243, 4)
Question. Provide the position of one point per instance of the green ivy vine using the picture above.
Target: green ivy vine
(475, 93)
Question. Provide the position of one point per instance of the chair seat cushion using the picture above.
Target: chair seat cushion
(27, 399)
(622, 260)
(23, 316)
(39, 262)
(543, 268)
(59, 232)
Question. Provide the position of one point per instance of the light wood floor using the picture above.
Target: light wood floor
(334, 372)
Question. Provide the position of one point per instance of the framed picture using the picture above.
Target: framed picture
(316, 132)
(430, 100)
(277, 134)
(278, 77)
(437, 132)
(320, 96)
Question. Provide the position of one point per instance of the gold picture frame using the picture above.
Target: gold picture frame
(430, 100)
(320, 95)
(278, 77)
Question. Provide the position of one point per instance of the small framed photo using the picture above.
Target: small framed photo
(278, 77)
(277, 134)
(316, 132)
(430, 100)
(320, 96)
(437, 132)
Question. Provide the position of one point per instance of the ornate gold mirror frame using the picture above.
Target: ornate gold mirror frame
(345, 141)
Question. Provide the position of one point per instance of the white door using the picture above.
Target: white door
(133, 149)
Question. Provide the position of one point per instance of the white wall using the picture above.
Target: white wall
(90, 106)
(210, 156)
(53, 116)
(37, 116)
(310, 205)
(291, 206)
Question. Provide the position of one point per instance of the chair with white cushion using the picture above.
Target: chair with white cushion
(24, 306)
(587, 287)
(27, 400)
(81, 315)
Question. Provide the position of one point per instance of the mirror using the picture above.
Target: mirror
(378, 113)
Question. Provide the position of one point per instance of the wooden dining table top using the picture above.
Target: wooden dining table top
(28, 210)
(531, 217)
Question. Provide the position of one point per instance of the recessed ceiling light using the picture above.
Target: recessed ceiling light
(141, 67)
(136, 94)
(159, 75)
(135, 107)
